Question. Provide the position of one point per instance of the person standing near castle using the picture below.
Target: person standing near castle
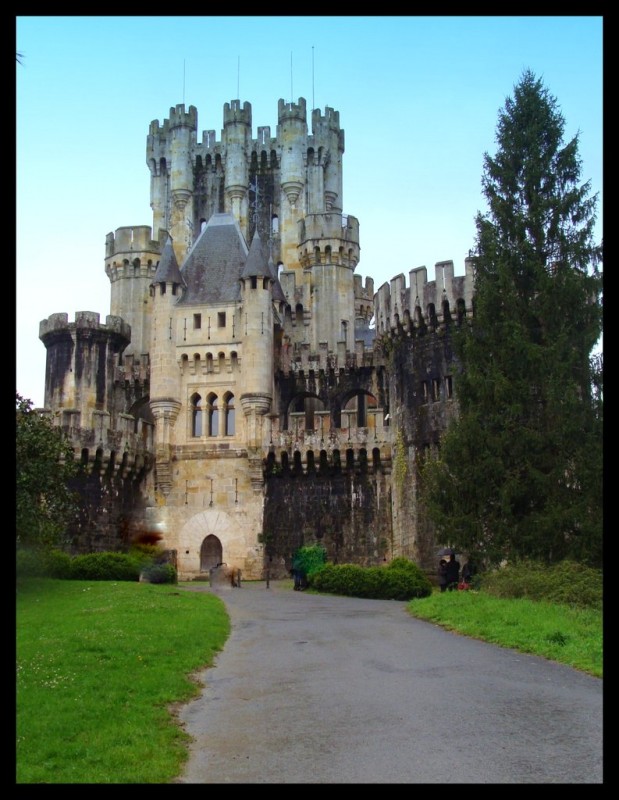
(453, 572)
(442, 574)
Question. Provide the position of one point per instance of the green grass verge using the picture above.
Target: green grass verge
(99, 666)
(562, 633)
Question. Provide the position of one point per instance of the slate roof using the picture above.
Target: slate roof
(168, 270)
(215, 263)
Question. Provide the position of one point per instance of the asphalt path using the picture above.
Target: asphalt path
(321, 689)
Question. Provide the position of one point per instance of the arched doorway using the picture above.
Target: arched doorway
(210, 553)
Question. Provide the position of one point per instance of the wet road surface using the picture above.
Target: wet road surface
(320, 689)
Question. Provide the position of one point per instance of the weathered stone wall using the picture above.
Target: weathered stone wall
(347, 512)
(421, 373)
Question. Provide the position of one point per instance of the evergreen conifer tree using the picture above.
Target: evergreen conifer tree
(519, 472)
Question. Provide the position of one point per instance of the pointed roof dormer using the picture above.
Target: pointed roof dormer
(257, 265)
(168, 270)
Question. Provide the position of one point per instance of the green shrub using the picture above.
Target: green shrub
(106, 567)
(42, 563)
(567, 582)
(159, 573)
(311, 558)
(398, 581)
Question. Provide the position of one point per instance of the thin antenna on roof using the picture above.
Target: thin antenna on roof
(238, 77)
(183, 81)
(291, 92)
(313, 104)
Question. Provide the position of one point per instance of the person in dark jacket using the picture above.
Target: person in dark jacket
(453, 573)
(442, 574)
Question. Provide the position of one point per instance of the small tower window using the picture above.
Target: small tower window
(196, 415)
(197, 322)
(213, 415)
(221, 319)
(229, 414)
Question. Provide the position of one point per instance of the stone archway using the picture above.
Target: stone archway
(210, 553)
(209, 538)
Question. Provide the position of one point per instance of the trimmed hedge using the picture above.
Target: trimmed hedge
(400, 580)
(106, 566)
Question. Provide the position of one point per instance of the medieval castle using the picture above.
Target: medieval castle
(248, 393)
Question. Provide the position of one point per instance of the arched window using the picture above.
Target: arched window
(196, 415)
(228, 412)
(213, 415)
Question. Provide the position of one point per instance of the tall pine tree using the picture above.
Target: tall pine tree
(519, 473)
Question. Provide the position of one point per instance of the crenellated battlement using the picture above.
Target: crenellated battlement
(330, 119)
(181, 118)
(178, 118)
(329, 238)
(298, 357)
(425, 303)
(364, 292)
(131, 240)
(292, 111)
(233, 113)
(85, 321)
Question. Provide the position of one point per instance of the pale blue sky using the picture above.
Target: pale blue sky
(418, 98)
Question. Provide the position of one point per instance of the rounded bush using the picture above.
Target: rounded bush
(106, 567)
(159, 573)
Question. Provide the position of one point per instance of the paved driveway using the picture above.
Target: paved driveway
(319, 689)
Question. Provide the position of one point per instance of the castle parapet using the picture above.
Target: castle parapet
(425, 304)
(330, 231)
(84, 321)
(233, 113)
(289, 111)
(131, 241)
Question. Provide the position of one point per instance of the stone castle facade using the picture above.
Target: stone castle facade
(248, 393)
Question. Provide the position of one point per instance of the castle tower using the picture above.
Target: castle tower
(329, 254)
(131, 258)
(292, 139)
(169, 155)
(237, 139)
(328, 141)
(81, 362)
(164, 373)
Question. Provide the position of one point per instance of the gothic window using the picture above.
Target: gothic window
(213, 415)
(356, 409)
(209, 362)
(196, 415)
(228, 413)
(221, 358)
(234, 361)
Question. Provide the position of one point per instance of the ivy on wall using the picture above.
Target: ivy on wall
(400, 463)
